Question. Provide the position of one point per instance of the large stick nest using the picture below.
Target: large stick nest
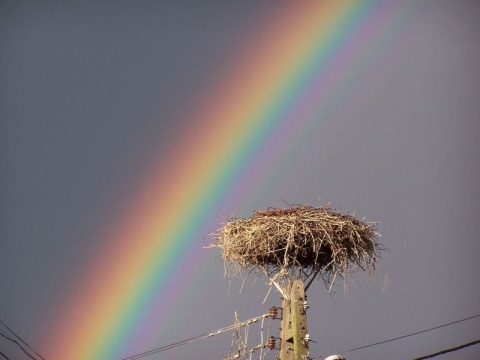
(299, 242)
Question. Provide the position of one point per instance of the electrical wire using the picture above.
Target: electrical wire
(18, 337)
(163, 348)
(456, 348)
(19, 345)
(253, 320)
(203, 336)
(408, 335)
(5, 356)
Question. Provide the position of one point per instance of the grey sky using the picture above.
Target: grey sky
(88, 92)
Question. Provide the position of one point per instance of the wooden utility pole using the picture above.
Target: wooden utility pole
(294, 324)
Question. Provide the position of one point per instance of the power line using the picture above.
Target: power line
(5, 356)
(19, 345)
(408, 335)
(253, 320)
(448, 350)
(18, 337)
(163, 348)
(203, 336)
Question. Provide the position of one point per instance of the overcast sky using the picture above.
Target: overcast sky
(90, 93)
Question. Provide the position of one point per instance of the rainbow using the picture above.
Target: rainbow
(272, 89)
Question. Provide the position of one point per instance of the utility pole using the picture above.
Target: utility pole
(293, 345)
(321, 243)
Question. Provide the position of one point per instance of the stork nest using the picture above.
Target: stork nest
(298, 243)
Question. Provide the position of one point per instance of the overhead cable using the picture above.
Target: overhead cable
(19, 345)
(448, 350)
(19, 338)
(412, 334)
(203, 336)
(253, 320)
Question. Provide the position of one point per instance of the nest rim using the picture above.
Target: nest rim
(298, 242)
